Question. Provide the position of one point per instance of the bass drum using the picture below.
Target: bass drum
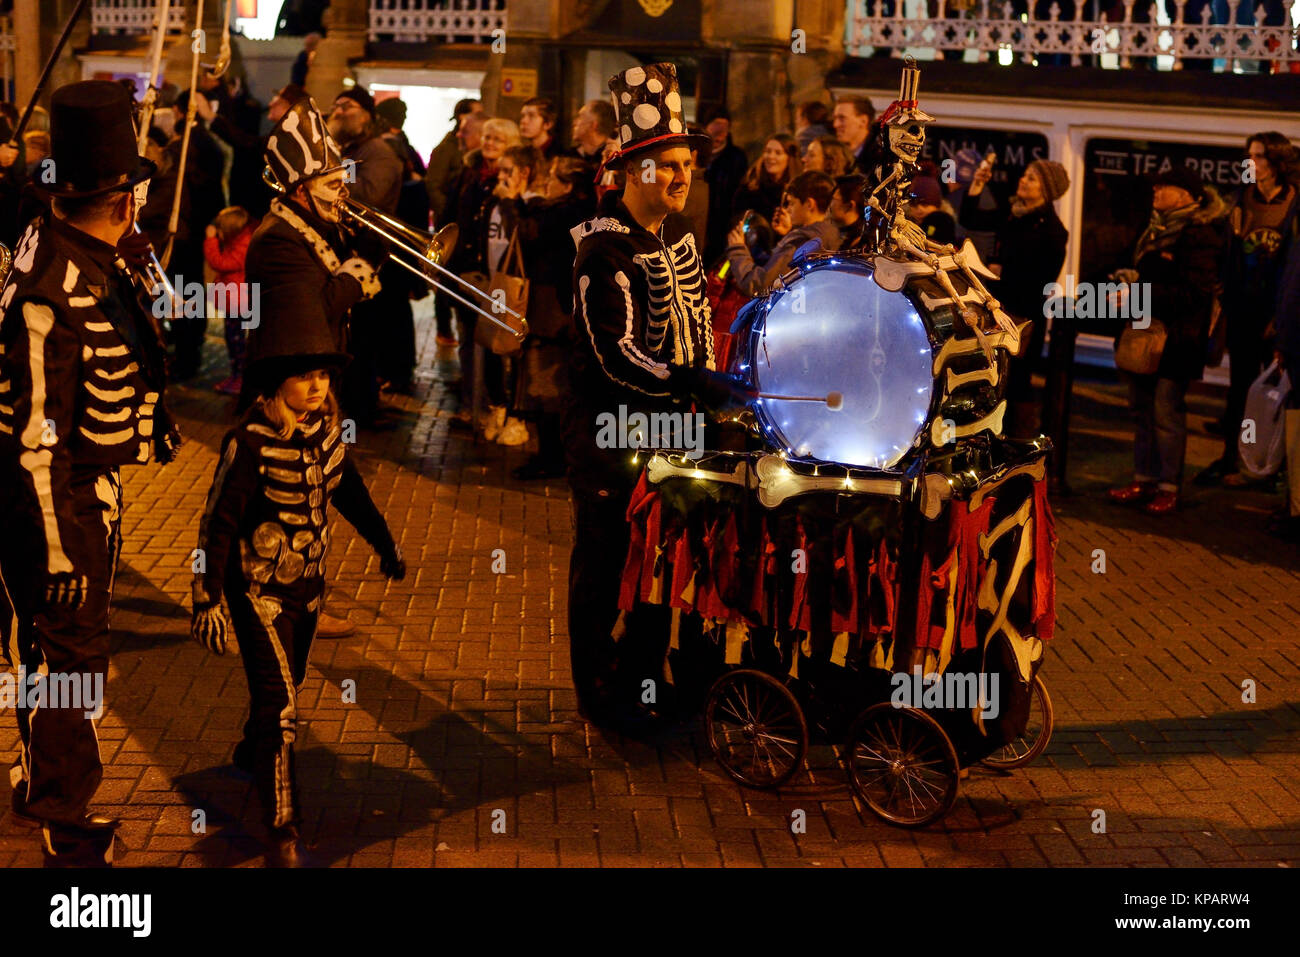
(833, 329)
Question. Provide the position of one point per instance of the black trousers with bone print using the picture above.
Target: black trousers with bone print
(59, 767)
(275, 632)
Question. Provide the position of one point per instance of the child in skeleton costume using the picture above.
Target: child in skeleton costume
(300, 241)
(644, 342)
(264, 536)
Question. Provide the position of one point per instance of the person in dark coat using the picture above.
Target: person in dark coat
(1029, 254)
(1264, 217)
(1177, 260)
(376, 175)
(474, 202)
(441, 176)
(727, 165)
(548, 247)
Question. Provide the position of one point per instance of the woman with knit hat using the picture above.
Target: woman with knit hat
(1030, 252)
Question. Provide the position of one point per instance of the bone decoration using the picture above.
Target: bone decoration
(659, 468)
(778, 482)
(987, 423)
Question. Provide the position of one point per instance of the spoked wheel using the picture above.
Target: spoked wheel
(902, 764)
(1018, 753)
(756, 728)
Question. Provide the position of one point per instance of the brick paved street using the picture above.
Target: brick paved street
(464, 705)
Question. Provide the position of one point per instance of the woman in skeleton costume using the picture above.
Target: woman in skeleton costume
(263, 540)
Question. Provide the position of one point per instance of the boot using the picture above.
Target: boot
(87, 843)
(286, 848)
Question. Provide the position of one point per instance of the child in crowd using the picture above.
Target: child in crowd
(225, 247)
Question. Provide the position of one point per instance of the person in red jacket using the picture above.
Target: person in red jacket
(225, 248)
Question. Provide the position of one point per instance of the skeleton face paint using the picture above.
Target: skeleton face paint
(328, 191)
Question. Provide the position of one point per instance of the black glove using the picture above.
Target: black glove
(65, 589)
(392, 566)
(719, 391)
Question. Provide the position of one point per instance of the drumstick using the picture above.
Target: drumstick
(834, 400)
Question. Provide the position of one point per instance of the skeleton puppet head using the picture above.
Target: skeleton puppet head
(904, 124)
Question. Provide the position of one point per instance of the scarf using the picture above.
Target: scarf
(1164, 229)
(323, 250)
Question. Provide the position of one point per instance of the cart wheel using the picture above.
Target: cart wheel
(1018, 753)
(756, 728)
(902, 764)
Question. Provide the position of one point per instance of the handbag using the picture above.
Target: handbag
(1138, 350)
(511, 290)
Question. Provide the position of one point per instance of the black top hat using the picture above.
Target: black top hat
(294, 337)
(92, 141)
(649, 107)
(300, 147)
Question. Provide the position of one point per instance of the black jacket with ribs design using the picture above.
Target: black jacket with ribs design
(642, 321)
(264, 528)
(81, 377)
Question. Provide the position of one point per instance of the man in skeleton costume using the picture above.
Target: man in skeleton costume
(264, 539)
(300, 243)
(81, 394)
(645, 343)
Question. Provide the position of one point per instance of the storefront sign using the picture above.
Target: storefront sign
(519, 83)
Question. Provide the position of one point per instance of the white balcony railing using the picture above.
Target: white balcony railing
(996, 31)
(415, 21)
(124, 17)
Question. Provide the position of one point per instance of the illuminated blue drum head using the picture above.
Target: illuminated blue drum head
(834, 330)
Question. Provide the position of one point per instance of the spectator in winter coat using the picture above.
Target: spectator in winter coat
(548, 248)
(1265, 219)
(592, 128)
(225, 248)
(1177, 259)
(1029, 255)
(807, 200)
(852, 121)
(441, 176)
(470, 257)
(725, 171)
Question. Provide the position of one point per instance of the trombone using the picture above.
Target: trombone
(428, 250)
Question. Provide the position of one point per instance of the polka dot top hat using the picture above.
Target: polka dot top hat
(649, 108)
